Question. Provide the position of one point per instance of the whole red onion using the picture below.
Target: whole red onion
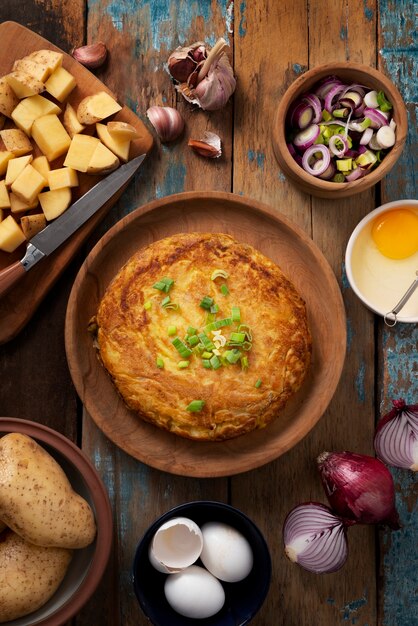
(359, 488)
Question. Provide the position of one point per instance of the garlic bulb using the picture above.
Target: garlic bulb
(167, 122)
(203, 78)
(209, 146)
(91, 56)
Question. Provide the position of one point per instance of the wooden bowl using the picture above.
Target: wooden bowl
(279, 239)
(348, 73)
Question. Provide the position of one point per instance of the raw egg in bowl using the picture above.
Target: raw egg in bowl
(382, 260)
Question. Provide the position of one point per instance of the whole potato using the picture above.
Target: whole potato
(29, 575)
(36, 498)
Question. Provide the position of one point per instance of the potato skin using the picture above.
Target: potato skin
(36, 498)
(29, 575)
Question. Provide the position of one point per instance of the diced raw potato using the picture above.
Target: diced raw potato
(70, 121)
(40, 71)
(5, 157)
(29, 109)
(55, 202)
(4, 196)
(41, 164)
(120, 147)
(11, 235)
(15, 166)
(60, 84)
(96, 108)
(28, 184)
(18, 206)
(23, 84)
(50, 136)
(16, 141)
(80, 152)
(8, 98)
(62, 177)
(51, 58)
(122, 130)
(103, 161)
(32, 224)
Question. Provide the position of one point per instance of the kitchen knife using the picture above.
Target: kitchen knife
(52, 236)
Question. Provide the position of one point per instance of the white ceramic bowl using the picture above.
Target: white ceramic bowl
(378, 281)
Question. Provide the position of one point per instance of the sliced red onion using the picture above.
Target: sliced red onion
(358, 112)
(370, 100)
(301, 116)
(326, 85)
(359, 172)
(315, 538)
(360, 89)
(352, 96)
(332, 143)
(325, 160)
(373, 143)
(291, 149)
(396, 438)
(376, 117)
(313, 101)
(359, 488)
(306, 137)
(329, 98)
(385, 137)
(366, 136)
(329, 172)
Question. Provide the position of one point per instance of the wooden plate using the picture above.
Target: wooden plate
(271, 233)
(18, 306)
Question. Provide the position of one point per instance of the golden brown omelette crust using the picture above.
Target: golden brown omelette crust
(130, 338)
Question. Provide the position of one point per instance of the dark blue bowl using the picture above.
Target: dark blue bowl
(243, 599)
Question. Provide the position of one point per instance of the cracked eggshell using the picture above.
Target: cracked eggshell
(176, 545)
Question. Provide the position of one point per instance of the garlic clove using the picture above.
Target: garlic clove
(92, 55)
(183, 61)
(209, 146)
(177, 544)
(167, 122)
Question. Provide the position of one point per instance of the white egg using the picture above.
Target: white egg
(176, 545)
(194, 593)
(226, 552)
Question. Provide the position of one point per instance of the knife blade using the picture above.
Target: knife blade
(58, 231)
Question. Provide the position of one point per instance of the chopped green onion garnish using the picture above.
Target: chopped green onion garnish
(207, 302)
(214, 308)
(244, 362)
(206, 341)
(164, 284)
(210, 317)
(193, 340)
(181, 348)
(232, 356)
(160, 362)
(258, 383)
(183, 364)
(206, 364)
(237, 337)
(215, 362)
(247, 345)
(147, 305)
(227, 321)
(172, 330)
(224, 289)
(219, 274)
(338, 178)
(207, 355)
(195, 406)
(243, 328)
(165, 301)
(384, 105)
(191, 331)
(167, 304)
(236, 314)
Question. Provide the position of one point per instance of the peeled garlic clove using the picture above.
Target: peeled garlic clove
(176, 545)
(167, 122)
(92, 55)
(209, 146)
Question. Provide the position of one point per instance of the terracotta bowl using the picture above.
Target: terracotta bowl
(348, 73)
(87, 565)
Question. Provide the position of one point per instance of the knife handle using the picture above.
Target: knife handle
(9, 276)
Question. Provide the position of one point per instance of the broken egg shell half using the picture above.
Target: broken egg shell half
(177, 544)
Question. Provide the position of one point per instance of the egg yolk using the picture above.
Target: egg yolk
(395, 233)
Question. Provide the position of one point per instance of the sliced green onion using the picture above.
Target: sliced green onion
(215, 362)
(236, 314)
(206, 364)
(172, 330)
(207, 302)
(207, 343)
(191, 331)
(210, 317)
(207, 355)
(384, 105)
(224, 289)
(219, 274)
(183, 364)
(258, 383)
(164, 284)
(244, 362)
(193, 340)
(160, 362)
(247, 345)
(338, 178)
(214, 308)
(165, 301)
(326, 116)
(167, 304)
(181, 348)
(227, 321)
(147, 305)
(237, 337)
(232, 356)
(243, 328)
(195, 406)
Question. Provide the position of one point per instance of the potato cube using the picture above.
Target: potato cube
(16, 141)
(60, 84)
(120, 147)
(50, 136)
(29, 109)
(18, 206)
(28, 184)
(95, 108)
(32, 224)
(41, 164)
(122, 130)
(51, 58)
(5, 157)
(11, 235)
(15, 166)
(70, 121)
(55, 202)
(103, 161)
(80, 152)
(23, 84)
(4, 196)
(40, 71)
(8, 98)
(62, 177)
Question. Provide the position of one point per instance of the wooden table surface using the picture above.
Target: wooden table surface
(272, 42)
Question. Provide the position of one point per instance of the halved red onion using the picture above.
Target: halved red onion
(315, 538)
(313, 101)
(377, 119)
(306, 137)
(359, 172)
(311, 152)
(301, 115)
(329, 98)
(359, 488)
(396, 438)
(332, 144)
(366, 136)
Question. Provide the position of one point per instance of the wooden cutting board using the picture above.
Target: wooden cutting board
(18, 306)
